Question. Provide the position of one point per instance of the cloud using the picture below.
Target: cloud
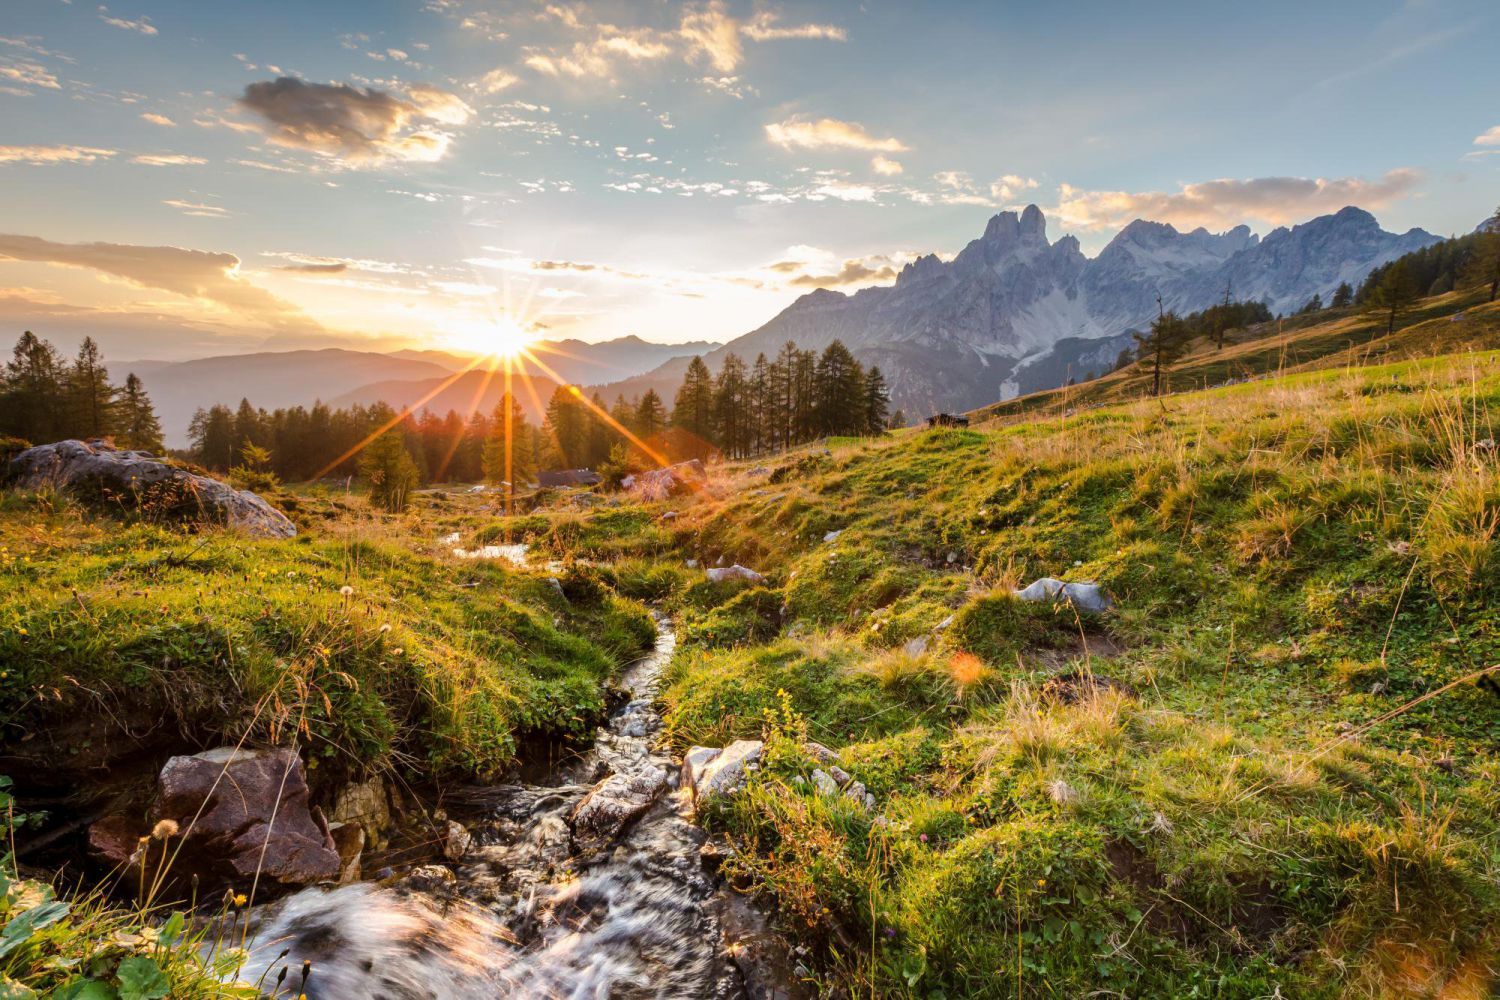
(358, 127)
(713, 35)
(156, 119)
(332, 267)
(47, 155)
(1227, 202)
(854, 272)
(168, 160)
(194, 208)
(597, 58)
(201, 275)
(763, 27)
(29, 74)
(830, 133)
(495, 81)
(886, 167)
(1488, 138)
(843, 192)
(1009, 187)
(143, 25)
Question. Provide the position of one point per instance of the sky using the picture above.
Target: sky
(182, 178)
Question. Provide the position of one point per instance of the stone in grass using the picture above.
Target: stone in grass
(98, 472)
(1083, 596)
(735, 572)
(725, 772)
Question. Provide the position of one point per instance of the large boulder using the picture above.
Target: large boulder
(722, 773)
(238, 812)
(671, 480)
(613, 804)
(97, 472)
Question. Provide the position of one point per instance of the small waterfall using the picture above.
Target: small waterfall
(590, 887)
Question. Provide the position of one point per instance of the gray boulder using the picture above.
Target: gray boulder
(736, 572)
(725, 772)
(97, 472)
(1083, 596)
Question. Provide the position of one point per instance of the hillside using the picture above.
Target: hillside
(1442, 324)
(1269, 768)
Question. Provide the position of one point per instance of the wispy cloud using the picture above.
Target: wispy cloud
(1227, 202)
(156, 119)
(48, 155)
(830, 133)
(197, 209)
(168, 160)
(141, 25)
(495, 81)
(886, 167)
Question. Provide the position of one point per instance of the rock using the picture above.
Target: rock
(855, 792)
(613, 804)
(456, 841)
(824, 783)
(556, 586)
(670, 515)
(945, 622)
(819, 752)
(693, 764)
(735, 572)
(349, 841)
(838, 774)
(915, 647)
(242, 811)
(114, 841)
(667, 481)
(726, 772)
(832, 536)
(97, 472)
(365, 804)
(1083, 596)
(691, 563)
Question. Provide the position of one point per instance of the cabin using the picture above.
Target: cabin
(947, 420)
(562, 478)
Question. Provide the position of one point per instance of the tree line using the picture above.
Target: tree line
(45, 397)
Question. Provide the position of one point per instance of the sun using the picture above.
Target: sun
(502, 337)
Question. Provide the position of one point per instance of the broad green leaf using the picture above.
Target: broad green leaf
(20, 928)
(12, 990)
(142, 979)
(88, 989)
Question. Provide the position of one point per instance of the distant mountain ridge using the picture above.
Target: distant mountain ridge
(340, 377)
(1014, 312)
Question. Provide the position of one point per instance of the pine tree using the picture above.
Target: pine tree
(761, 406)
(91, 398)
(1393, 295)
(1483, 267)
(877, 402)
(567, 426)
(138, 427)
(212, 435)
(783, 385)
(1162, 345)
(31, 398)
(840, 392)
(522, 456)
(732, 406)
(693, 407)
(898, 420)
(650, 416)
(1343, 295)
(387, 466)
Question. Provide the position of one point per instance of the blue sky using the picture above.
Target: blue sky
(186, 178)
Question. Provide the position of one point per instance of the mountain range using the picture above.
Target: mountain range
(342, 377)
(1014, 312)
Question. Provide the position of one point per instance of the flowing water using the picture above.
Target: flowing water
(590, 885)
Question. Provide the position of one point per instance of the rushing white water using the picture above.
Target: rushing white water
(590, 888)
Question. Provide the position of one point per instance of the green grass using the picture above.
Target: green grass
(1299, 796)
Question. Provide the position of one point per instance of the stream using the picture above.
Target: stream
(591, 884)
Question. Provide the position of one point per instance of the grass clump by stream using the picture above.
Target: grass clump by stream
(365, 642)
(1269, 770)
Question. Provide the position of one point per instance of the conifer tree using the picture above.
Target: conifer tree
(732, 406)
(388, 468)
(138, 427)
(522, 455)
(1393, 295)
(1343, 295)
(212, 435)
(90, 396)
(650, 416)
(567, 426)
(877, 402)
(31, 402)
(1162, 345)
(693, 408)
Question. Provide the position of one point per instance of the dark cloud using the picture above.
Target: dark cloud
(359, 126)
(338, 267)
(853, 272)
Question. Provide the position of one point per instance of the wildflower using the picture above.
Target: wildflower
(1041, 882)
(164, 829)
(385, 628)
(923, 838)
(240, 899)
(346, 590)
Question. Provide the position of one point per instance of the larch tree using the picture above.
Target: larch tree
(138, 426)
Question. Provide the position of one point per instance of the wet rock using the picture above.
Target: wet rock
(365, 804)
(726, 773)
(96, 471)
(735, 572)
(613, 803)
(1083, 596)
(241, 812)
(349, 841)
(456, 841)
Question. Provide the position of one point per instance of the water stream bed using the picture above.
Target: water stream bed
(591, 884)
